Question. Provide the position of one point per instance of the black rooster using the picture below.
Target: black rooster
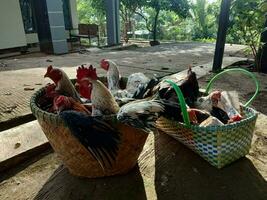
(96, 135)
(188, 86)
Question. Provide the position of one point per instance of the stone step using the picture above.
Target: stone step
(20, 143)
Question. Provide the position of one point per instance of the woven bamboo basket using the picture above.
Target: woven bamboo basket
(219, 145)
(76, 157)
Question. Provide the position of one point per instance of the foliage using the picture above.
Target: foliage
(154, 7)
(127, 11)
(92, 12)
(205, 16)
(182, 19)
(246, 24)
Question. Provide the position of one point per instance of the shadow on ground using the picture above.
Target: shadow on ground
(182, 174)
(178, 174)
(62, 185)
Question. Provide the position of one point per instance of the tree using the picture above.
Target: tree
(205, 16)
(127, 11)
(179, 7)
(246, 25)
(263, 49)
(90, 11)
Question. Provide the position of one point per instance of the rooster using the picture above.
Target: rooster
(113, 74)
(197, 116)
(103, 102)
(135, 80)
(84, 87)
(143, 114)
(62, 103)
(189, 87)
(46, 101)
(63, 84)
(96, 135)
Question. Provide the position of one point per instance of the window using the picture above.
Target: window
(28, 16)
(67, 14)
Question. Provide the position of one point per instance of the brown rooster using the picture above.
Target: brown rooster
(84, 87)
(103, 103)
(62, 103)
(64, 85)
(46, 101)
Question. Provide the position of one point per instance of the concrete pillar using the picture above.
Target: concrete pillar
(74, 16)
(57, 26)
(113, 22)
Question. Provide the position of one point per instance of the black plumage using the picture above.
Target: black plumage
(144, 114)
(189, 88)
(96, 135)
(144, 91)
(220, 114)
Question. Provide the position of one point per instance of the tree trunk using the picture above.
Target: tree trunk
(155, 26)
(155, 42)
(262, 57)
(133, 28)
(126, 38)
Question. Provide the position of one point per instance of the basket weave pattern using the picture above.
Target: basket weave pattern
(219, 145)
(76, 157)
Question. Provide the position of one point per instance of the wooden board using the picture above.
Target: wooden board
(20, 143)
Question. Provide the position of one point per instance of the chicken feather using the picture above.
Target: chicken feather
(96, 135)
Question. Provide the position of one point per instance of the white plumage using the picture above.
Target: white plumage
(141, 114)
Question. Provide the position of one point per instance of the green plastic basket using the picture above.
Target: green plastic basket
(219, 145)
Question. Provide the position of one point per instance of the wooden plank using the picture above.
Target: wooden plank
(20, 143)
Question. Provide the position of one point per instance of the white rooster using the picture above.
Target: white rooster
(134, 82)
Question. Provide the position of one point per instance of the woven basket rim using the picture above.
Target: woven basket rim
(52, 117)
(250, 110)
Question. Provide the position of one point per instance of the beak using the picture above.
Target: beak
(77, 85)
(120, 118)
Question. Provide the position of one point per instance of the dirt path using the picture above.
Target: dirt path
(174, 56)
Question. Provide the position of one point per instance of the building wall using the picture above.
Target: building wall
(12, 32)
(11, 26)
(32, 38)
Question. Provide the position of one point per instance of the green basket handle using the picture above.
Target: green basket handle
(182, 102)
(236, 70)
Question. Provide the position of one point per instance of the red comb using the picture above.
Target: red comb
(82, 72)
(60, 100)
(104, 64)
(92, 72)
(49, 68)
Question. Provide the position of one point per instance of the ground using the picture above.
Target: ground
(166, 169)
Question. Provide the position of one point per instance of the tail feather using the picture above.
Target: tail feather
(96, 135)
(144, 114)
(144, 90)
(171, 110)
